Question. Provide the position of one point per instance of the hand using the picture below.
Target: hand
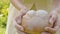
(53, 20)
(17, 22)
(53, 17)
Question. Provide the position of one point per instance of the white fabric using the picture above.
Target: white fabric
(10, 25)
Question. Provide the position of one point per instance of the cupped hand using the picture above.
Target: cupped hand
(17, 21)
(54, 21)
(53, 17)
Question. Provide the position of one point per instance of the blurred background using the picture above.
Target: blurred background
(4, 5)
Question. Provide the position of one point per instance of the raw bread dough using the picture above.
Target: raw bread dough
(35, 21)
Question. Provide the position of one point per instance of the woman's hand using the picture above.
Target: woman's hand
(53, 20)
(17, 21)
(53, 17)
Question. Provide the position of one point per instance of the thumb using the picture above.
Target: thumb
(52, 19)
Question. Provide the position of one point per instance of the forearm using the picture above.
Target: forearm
(17, 4)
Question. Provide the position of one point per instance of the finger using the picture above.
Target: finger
(57, 23)
(52, 19)
(18, 26)
(52, 30)
(18, 20)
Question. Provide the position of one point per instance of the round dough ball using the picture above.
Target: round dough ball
(41, 13)
(31, 13)
(34, 22)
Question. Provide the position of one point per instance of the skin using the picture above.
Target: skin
(52, 16)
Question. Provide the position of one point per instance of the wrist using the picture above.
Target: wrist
(55, 11)
(23, 11)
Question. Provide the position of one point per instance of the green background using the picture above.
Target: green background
(4, 5)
